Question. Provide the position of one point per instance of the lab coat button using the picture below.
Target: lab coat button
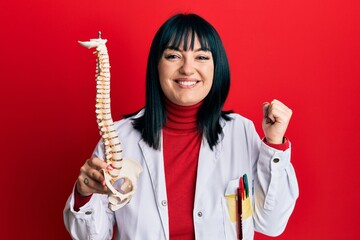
(199, 214)
(276, 160)
(88, 212)
(164, 203)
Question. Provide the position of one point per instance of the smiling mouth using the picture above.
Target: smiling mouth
(186, 83)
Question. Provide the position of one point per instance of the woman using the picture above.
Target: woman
(194, 155)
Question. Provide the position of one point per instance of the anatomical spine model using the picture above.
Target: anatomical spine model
(118, 168)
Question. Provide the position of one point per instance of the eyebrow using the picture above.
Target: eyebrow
(196, 50)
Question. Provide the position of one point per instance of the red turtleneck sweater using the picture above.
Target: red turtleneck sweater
(181, 146)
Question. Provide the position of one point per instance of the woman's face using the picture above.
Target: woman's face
(186, 77)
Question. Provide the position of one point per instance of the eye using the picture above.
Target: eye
(203, 58)
(171, 56)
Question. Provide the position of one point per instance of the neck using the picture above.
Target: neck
(181, 118)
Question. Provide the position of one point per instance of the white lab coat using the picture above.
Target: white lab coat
(273, 185)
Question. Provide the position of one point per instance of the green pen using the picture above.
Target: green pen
(246, 185)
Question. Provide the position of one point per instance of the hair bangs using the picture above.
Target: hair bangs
(183, 35)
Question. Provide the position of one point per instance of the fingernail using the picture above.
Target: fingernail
(109, 167)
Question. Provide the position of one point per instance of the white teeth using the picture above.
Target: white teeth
(187, 83)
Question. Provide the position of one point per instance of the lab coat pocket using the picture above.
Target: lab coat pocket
(231, 208)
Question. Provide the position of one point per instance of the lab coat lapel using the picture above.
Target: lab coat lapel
(207, 162)
(155, 166)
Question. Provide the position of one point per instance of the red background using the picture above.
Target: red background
(305, 53)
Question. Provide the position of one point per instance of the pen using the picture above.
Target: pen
(237, 198)
(240, 194)
(242, 188)
(246, 185)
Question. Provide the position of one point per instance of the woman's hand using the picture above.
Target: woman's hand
(90, 179)
(275, 121)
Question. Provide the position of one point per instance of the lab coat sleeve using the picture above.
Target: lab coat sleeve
(276, 189)
(94, 220)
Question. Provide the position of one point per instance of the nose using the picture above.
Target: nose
(187, 67)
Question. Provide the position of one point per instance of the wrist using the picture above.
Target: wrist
(283, 146)
(80, 200)
(275, 141)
